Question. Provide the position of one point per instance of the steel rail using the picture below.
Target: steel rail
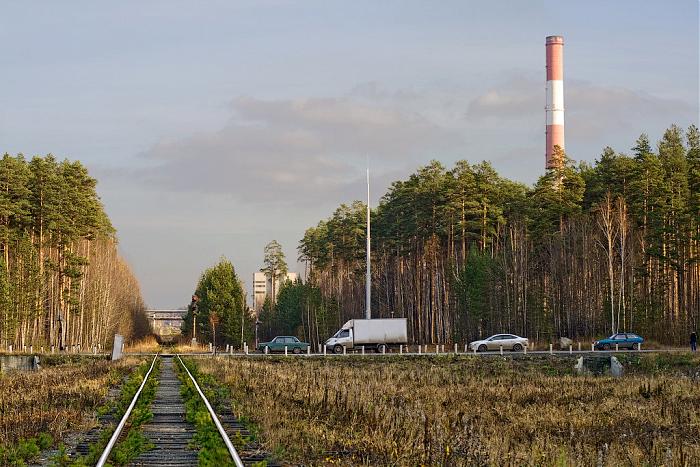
(232, 450)
(120, 427)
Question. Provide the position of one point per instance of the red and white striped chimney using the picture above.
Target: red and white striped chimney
(555, 97)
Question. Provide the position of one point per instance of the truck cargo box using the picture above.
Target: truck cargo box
(375, 331)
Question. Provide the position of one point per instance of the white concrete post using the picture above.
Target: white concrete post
(501, 349)
(400, 349)
(285, 350)
(617, 347)
(579, 346)
(419, 352)
(551, 349)
(267, 350)
(319, 348)
(383, 349)
(52, 349)
(465, 348)
(363, 350)
(324, 350)
(455, 349)
(10, 348)
(571, 349)
(437, 349)
(308, 350)
(42, 349)
(592, 347)
(31, 349)
(525, 349)
(639, 346)
(442, 348)
(118, 347)
(474, 350)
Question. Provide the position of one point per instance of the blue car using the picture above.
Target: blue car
(623, 340)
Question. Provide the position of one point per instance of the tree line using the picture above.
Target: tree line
(62, 281)
(463, 252)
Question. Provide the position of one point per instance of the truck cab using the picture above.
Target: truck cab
(342, 338)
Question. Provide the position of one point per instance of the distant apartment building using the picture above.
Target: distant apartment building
(262, 287)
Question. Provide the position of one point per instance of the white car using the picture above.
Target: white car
(495, 342)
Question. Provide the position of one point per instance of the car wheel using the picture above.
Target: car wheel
(482, 348)
(296, 350)
(338, 348)
(517, 348)
(605, 347)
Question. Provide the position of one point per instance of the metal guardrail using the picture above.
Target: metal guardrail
(232, 450)
(120, 427)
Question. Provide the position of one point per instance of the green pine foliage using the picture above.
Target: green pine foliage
(220, 291)
(62, 282)
(301, 311)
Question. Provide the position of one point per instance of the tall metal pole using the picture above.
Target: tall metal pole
(368, 291)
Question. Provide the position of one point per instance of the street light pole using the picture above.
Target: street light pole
(257, 322)
(194, 307)
(368, 280)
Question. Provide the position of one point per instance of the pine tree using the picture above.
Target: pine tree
(275, 266)
(221, 292)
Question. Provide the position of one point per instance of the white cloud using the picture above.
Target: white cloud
(296, 150)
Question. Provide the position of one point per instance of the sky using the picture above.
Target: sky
(214, 127)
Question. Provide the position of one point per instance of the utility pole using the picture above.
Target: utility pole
(368, 285)
(257, 323)
(194, 307)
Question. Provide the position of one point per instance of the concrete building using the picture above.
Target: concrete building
(262, 287)
(166, 324)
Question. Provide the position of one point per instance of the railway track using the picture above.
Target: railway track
(169, 431)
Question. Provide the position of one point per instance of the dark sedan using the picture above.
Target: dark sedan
(621, 340)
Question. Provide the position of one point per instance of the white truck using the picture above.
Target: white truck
(372, 334)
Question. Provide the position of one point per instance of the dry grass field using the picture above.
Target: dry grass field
(58, 399)
(467, 411)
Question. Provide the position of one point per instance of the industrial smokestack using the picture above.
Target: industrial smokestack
(555, 98)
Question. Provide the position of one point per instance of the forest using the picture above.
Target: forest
(62, 281)
(462, 252)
